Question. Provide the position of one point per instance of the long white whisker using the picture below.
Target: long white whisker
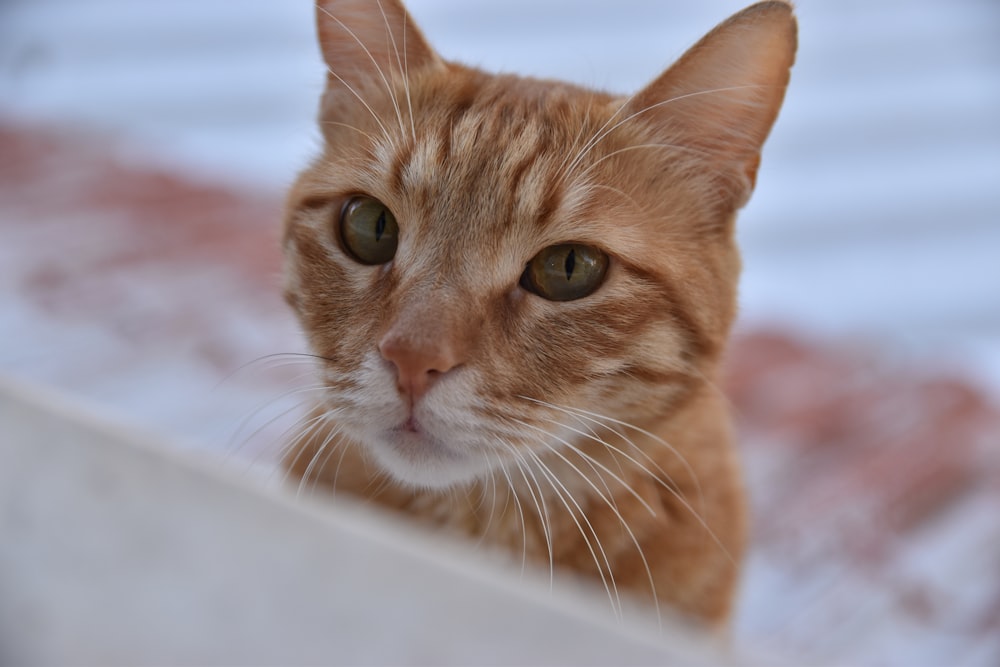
(403, 68)
(624, 195)
(595, 138)
(594, 461)
(283, 437)
(340, 462)
(320, 454)
(307, 430)
(385, 131)
(276, 360)
(598, 138)
(340, 445)
(673, 450)
(609, 501)
(231, 446)
(655, 438)
(484, 531)
(661, 476)
(658, 477)
(562, 169)
(520, 513)
(626, 149)
(364, 47)
(607, 576)
(349, 127)
(698, 515)
(540, 505)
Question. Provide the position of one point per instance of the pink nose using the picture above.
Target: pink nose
(419, 362)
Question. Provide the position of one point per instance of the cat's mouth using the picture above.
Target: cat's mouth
(410, 425)
(414, 441)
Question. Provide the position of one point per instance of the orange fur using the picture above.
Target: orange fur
(588, 434)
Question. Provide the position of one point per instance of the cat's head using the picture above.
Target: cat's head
(481, 260)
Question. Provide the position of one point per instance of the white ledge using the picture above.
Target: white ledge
(116, 549)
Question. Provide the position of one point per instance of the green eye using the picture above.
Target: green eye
(368, 230)
(565, 272)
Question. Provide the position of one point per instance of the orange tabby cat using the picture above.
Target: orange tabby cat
(519, 291)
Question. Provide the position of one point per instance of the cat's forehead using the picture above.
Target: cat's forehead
(504, 157)
(499, 144)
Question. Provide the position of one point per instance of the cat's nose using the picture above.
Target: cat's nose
(419, 362)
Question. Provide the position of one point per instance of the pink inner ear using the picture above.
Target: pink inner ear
(366, 41)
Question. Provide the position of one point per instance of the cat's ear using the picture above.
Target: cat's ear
(721, 98)
(368, 43)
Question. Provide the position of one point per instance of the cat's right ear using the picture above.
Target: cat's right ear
(368, 45)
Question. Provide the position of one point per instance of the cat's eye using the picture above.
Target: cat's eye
(565, 272)
(368, 230)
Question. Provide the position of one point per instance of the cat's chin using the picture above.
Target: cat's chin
(422, 461)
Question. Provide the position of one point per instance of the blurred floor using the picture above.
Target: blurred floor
(876, 485)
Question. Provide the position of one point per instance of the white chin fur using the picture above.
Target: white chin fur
(429, 467)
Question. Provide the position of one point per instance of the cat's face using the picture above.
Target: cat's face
(481, 261)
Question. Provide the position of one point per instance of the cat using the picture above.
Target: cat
(518, 293)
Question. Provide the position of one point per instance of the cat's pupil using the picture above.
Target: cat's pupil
(380, 226)
(570, 263)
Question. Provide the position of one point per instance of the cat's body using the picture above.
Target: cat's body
(519, 292)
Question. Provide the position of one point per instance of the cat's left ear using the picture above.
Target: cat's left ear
(368, 45)
(721, 98)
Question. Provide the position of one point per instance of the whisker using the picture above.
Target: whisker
(609, 501)
(599, 418)
(282, 437)
(349, 127)
(484, 531)
(607, 576)
(307, 430)
(319, 454)
(597, 463)
(603, 133)
(562, 169)
(699, 492)
(379, 482)
(378, 69)
(660, 475)
(677, 147)
(403, 67)
(540, 505)
(269, 362)
(232, 448)
(340, 462)
(340, 445)
(696, 514)
(520, 513)
(595, 138)
(624, 195)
